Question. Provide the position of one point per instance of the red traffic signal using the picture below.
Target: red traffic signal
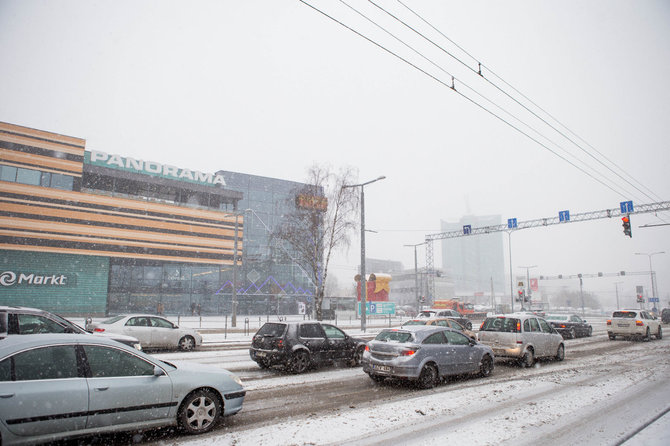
(626, 226)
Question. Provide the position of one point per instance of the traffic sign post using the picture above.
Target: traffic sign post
(511, 223)
(467, 229)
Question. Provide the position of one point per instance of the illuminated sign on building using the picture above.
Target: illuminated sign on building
(12, 278)
(97, 158)
(311, 202)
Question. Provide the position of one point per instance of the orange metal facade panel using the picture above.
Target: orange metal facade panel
(39, 161)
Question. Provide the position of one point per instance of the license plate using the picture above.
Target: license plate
(381, 368)
(622, 325)
(261, 354)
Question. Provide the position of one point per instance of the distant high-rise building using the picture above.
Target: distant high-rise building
(473, 261)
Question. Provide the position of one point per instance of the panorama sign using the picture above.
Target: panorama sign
(12, 278)
(97, 158)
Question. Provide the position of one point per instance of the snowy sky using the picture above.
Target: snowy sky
(271, 87)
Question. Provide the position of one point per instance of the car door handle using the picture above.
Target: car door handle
(6, 395)
(101, 389)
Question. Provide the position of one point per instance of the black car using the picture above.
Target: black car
(570, 326)
(665, 315)
(300, 345)
(16, 320)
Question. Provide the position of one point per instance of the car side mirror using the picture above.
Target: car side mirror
(158, 371)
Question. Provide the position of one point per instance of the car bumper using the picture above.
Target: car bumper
(233, 402)
(268, 357)
(500, 351)
(390, 368)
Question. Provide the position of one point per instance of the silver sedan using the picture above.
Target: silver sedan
(425, 354)
(55, 386)
(152, 331)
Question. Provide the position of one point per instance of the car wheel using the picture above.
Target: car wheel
(573, 334)
(659, 335)
(528, 359)
(358, 356)
(186, 344)
(428, 377)
(590, 332)
(486, 366)
(199, 412)
(647, 335)
(612, 337)
(300, 362)
(262, 364)
(560, 354)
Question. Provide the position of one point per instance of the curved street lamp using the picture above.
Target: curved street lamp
(363, 281)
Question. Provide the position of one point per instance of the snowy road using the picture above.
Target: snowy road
(603, 393)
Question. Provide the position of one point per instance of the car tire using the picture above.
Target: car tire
(528, 359)
(358, 356)
(428, 377)
(299, 362)
(659, 334)
(572, 334)
(186, 344)
(560, 353)
(486, 366)
(647, 335)
(199, 412)
(612, 337)
(590, 332)
(262, 364)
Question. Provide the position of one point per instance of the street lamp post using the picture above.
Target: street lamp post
(616, 288)
(511, 279)
(654, 292)
(363, 281)
(416, 275)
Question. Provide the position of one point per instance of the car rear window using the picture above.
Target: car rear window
(415, 323)
(503, 324)
(112, 320)
(272, 329)
(556, 317)
(625, 314)
(395, 336)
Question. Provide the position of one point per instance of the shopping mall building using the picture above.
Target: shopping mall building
(89, 233)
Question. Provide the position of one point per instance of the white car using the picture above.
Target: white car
(152, 331)
(634, 323)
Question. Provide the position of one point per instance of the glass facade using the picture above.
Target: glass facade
(36, 177)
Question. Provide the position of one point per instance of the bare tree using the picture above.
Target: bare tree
(322, 221)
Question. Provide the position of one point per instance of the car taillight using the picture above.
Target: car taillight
(639, 323)
(481, 326)
(407, 352)
(99, 330)
(562, 326)
(518, 326)
(609, 321)
(367, 348)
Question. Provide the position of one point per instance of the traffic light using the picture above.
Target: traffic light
(521, 297)
(626, 225)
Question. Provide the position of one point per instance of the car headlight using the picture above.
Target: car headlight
(237, 379)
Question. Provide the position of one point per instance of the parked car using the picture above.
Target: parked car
(152, 331)
(521, 336)
(300, 345)
(442, 322)
(26, 320)
(569, 326)
(57, 386)
(461, 319)
(665, 315)
(425, 354)
(634, 324)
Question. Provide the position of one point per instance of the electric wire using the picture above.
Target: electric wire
(380, 46)
(657, 197)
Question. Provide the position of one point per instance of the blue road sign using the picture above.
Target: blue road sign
(653, 299)
(511, 223)
(378, 307)
(626, 207)
(467, 229)
(564, 215)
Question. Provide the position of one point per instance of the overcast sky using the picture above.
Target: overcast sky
(271, 87)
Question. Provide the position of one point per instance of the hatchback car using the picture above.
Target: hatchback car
(442, 322)
(633, 324)
(665, 315)
(152, 331)
(569, 326)
(55, 386)
(300, 345)
(523, 337)
(453, 314)
(425, 354)
(25, 320)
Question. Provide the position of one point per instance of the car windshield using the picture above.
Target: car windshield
(625, 314)
(395, 336)
(556, 317)
(415, 323)
(112, 320)
(272, 329)
(504, 324)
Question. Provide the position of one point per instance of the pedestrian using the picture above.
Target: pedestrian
(198, 308)
(192, 308)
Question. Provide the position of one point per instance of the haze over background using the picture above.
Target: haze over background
(271, 87)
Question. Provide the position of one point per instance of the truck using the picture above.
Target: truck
(464, 308)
